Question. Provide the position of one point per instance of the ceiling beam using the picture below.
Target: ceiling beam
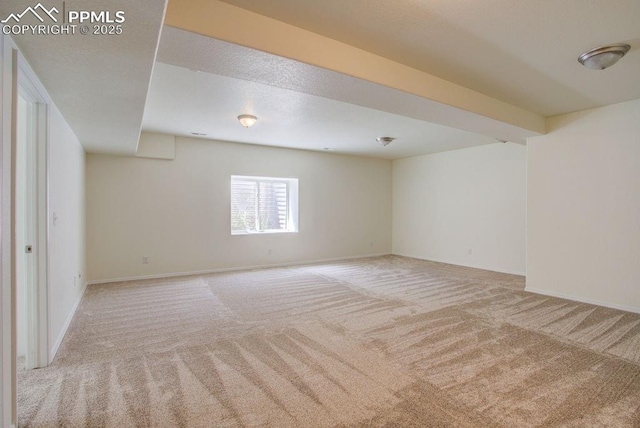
(222, 21)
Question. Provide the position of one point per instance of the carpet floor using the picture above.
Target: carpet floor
(385, 341)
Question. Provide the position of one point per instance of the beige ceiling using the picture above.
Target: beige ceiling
(300, 105)
(182, 101)
(491, 67)
(218, 20)
(518, 51)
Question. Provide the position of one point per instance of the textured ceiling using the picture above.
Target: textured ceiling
(521, 52)
(99, 82)
(299, 105)
(183, 101)
(225, 22)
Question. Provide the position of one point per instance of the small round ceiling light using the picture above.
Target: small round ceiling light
(385, 140)
(603, 57)
(247, 120)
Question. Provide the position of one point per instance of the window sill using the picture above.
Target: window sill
(266, 232)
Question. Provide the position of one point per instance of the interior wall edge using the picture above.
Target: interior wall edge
(582, 300)
(449, 262)
(231, 269)
(56, 345)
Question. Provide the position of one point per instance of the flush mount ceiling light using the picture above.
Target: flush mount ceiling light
(247, 120)
(604, 57)
(385, 140)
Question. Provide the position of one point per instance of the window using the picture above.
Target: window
(263, 205)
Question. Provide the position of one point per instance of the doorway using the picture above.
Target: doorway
(30, 232)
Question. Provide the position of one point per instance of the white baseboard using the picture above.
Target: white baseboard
(475, 266)
(231, 269)
(54, 349)
(582, 300)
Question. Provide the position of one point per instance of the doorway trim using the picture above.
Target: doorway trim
(31, 90)
(35, 222)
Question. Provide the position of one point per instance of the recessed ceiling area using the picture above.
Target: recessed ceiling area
(182, 101)
(523, 53)
(200, 85)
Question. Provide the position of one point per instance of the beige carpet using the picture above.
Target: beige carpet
(386, 341)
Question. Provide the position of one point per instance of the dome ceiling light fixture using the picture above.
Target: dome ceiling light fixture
(385, 140)
(603, 57)
(247, 120)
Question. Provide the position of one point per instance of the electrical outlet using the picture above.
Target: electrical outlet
(269, 251)
(145, 260)
(469, 251)
(371, 243)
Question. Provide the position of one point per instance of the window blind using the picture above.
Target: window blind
(260, 205)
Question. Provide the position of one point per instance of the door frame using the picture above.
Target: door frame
(13, 70)
(29, 86)
(37, 292)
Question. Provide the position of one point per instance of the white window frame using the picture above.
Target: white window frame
(292, 205)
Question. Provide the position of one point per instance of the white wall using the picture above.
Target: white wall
(67, 260)
(447, 203)
(176, 212)
(584, 207)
